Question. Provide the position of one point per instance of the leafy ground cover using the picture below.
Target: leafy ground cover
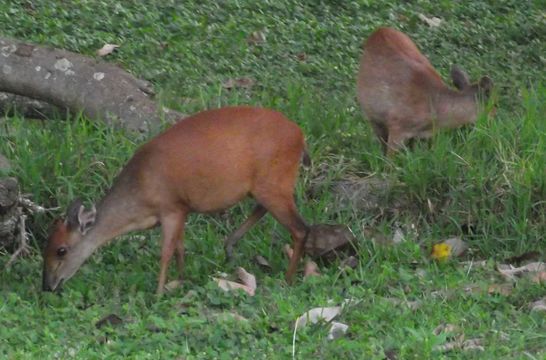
(486, 184)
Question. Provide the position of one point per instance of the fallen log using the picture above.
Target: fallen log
(102, 91)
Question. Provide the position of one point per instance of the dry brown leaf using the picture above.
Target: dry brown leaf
(473, 344)
(243, 83)
(106, 49)
(315, 315)
(262, 262)
(461, 344)
(479, 264)
(257, 37)
(432, 22)
(171, 285)
(445, 329)
(111, 319)
(227, 285)
(301, 56)
(398, 237)
(311, 269)
(501, 289)
(247, 278)
(337, 330)
(533, 269)
(539, 305)
(504, 289)
(327, 241)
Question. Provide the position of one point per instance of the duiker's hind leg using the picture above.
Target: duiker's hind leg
(283, 209)
(258, 212)
(180, 257)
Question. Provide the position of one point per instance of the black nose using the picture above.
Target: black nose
(45, 285)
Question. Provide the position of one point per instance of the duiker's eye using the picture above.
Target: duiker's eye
(61, 251)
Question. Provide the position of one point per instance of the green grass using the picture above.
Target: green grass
(492, 177)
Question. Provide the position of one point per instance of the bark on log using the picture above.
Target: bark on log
(68, 80)
(29, 108)
(9, 214)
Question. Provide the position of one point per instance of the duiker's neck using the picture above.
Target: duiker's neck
(117, 213)
(454, 109)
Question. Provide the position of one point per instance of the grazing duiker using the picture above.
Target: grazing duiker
(402, 95)
(204, 163)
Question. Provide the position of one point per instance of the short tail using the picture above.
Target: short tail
(305, 158)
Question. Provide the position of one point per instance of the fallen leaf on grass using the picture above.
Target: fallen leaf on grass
(473, 344)
(501, 289)
(504, 289)
(171, 285)
(445, 329)
(432, 22)
(311, 269)
(257, 37)
(247, 278)
(539, 305)
(535, 270)
(243, 83)
(227, 285)
(398, 237)
(315, 315)
(327, 241)
(460, 344)
(337, 330)
(248, 282)
(106, 49)
(260, 260)
(301, 56)
(111, 319)
(449, 248)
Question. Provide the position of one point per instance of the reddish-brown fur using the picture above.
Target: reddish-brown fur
(204, 163)
(404, 97)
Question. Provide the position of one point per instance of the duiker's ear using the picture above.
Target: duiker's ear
(77, 218)
(86, 219)
(72, 214)
(486, 86)
(460, 78)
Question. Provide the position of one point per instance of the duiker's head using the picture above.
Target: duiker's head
(66, 248)
(480, 90)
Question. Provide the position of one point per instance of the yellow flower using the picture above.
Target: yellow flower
(441, 251)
